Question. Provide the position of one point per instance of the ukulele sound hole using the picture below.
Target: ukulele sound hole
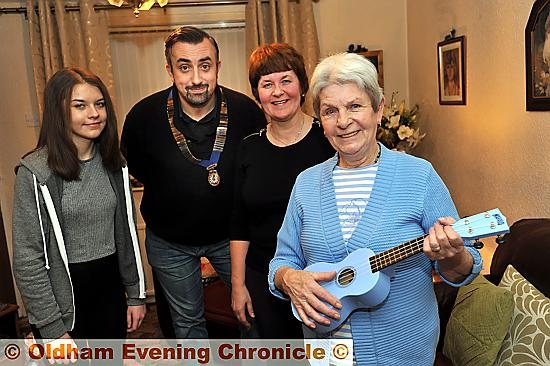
(346, 276)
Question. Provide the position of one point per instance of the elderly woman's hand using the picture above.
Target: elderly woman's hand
(444, 245)
(309, 298)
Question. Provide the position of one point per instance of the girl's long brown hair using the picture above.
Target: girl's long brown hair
(56, 133)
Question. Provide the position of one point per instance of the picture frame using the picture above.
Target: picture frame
(377, 58)
(537, 57)
(451, 71)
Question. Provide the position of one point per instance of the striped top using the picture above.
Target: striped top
(352, 188)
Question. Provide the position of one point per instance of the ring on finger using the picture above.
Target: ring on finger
(436, 248)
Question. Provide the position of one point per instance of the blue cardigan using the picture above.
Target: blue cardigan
(407, 199)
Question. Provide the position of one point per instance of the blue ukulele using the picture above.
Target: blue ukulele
(360, 285)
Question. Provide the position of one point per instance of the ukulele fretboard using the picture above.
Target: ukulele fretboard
(396, 254)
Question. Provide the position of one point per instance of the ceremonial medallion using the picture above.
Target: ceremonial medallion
(219, 142)
(213, 177)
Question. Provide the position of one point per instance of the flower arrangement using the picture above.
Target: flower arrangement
(398, 130)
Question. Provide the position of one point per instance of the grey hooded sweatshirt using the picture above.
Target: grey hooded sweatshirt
(40, 263)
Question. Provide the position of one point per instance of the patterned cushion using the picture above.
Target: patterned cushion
(526, 248)
(478, 323)
(528, 340)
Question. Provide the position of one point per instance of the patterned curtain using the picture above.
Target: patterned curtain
(60, 38)
(289, 21)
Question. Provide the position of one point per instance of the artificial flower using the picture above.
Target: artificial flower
(404, 132)
(398, 129)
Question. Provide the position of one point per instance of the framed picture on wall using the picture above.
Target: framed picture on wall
(376, 57)
(537, 57)
(451, 71)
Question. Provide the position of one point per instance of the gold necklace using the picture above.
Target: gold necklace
(298, 134)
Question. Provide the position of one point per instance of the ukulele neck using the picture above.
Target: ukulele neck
(394, 255)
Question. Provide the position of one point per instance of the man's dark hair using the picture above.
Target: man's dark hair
(190, 35)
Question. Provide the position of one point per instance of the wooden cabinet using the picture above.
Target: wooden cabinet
(150, 288)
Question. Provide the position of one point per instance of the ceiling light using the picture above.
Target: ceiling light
(138, 5)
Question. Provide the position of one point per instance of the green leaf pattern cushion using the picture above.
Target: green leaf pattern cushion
(528, 340)
(478, 323)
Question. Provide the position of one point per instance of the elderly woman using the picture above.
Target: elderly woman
(368, 197)
(267, 166)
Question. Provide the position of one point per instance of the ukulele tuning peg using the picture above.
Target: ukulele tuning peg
(500, 239)
(477, 244)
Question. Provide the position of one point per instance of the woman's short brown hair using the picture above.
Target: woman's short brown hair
(276, 57)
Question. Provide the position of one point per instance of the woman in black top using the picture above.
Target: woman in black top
(267, 166)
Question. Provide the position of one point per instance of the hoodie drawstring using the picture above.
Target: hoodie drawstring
(133, 234)
(40, 220)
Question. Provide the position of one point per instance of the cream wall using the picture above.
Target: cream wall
(377, 25)
(18, 120)
(18, 131)
(490, 152)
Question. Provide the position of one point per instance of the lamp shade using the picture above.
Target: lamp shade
(138, 5)
(146, 5)
(116, 2)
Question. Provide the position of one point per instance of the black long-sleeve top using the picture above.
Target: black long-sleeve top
(264, 180)
(178, 204)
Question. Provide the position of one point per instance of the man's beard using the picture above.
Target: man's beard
(197, 100)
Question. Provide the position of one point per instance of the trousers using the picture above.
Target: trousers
(177, 269)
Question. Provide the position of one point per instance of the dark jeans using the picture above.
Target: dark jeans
(177, 269)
